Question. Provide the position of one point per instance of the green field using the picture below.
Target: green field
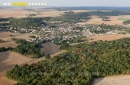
(123, 19)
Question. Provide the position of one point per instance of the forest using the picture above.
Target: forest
(78, 66)
(26, 23)
(30, 49)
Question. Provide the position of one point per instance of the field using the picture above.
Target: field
(123, 19)
(108, 37)
(7, 61)
(21, 13)
(113, 80)
(6, 36)
(113, 20)
(50, 47)
(17, 13)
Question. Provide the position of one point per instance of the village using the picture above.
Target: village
(72, 33)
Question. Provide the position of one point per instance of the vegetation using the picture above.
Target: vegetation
(126, 22)
(2, 41)
(64, 45)
(104, 18)
(72, 17)
(47, 56)
(2, 49)
(124, 19)
(30, 49)
(26, 23)
(78, 66)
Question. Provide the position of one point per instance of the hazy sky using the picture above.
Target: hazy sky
(124, 3)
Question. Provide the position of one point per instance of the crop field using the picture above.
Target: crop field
(17, 13)
(22, 13)
(10, 43)
(113, 80)
(7, 61)
(113, 20)
(108, 37)
(123, 19)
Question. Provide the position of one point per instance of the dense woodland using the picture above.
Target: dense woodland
(78, 66)
(30, 49)
(26, 22)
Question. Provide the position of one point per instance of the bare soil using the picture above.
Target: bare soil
(7, 61)
(50, 47)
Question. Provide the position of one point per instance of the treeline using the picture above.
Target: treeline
(126, 22)
(72, 17)
(26, 23)
(4, 19)
(2, 49)
(2, 41)
(84, 16)
(78, 66)
(29, 49)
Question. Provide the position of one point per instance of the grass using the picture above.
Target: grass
(123, 19)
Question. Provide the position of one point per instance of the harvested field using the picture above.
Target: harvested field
(108, 37)
(7, 34)
(114, 20)
(7, 61)
(49, 13)
(50, 47)
(17, 13)
(22, 13)
(113, 80)
(8, 44)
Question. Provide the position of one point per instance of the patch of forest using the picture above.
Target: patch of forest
(26, 23)
(30, 49)
(78, 66)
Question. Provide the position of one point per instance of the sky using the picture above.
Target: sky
(119, 3)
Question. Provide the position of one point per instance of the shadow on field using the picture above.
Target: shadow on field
(4, 65)
(95, 81)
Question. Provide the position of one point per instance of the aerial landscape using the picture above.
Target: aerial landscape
(61, 43)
